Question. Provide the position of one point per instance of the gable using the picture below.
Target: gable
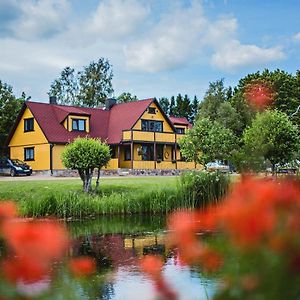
(20, 137)
(157, 116)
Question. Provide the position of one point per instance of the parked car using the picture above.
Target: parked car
(14, 167)
(217, 166)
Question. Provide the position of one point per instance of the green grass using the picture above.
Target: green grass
(116, 196)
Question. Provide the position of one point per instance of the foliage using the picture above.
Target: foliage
(202, 188)
(258, 256)
(181, 107)
(214, 97)
(271, 136)
(10, 107)
(207, 141)
(126, 97)
(89, 87)
(32, 255)
(84, 155)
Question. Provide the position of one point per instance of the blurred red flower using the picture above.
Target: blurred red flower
(82, 266)
(42, 240)
(8, 209)
(258, 94)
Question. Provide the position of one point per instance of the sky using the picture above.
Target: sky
(157, 48)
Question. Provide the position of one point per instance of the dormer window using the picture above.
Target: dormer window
(28, 125)
(78, 125)
(180, 130)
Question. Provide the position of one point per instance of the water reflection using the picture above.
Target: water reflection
(117, 244)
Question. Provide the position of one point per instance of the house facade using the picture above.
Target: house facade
(140, 134)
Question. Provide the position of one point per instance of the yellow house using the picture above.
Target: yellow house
(140, 134)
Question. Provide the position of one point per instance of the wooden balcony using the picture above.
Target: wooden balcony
(148, 136)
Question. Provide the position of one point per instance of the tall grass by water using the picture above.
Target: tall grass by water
(117, 196)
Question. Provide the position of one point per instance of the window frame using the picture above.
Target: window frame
(145, 126)
(76, 121)
(178, 129)
(30, 158)
(29, 124)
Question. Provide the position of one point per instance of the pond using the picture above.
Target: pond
(118, 242)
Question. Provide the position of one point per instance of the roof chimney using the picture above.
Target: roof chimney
(109, 103)
(52, 100)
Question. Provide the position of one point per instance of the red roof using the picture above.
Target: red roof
(180, 121)
(107, 125)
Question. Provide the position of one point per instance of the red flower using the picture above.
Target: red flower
(8, 209)
(82, 266)
(211, 260)
(25, 269)
(258, 94)
(38, 239)
(152, 265)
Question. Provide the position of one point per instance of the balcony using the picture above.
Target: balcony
(149, 136)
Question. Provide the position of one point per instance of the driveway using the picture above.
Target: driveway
(34, 177)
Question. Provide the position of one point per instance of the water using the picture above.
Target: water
(118, 243)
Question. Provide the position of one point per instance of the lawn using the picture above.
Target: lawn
(64, 198)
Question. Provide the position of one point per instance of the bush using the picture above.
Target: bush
(201, 188)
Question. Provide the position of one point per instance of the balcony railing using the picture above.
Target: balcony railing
(149, 136)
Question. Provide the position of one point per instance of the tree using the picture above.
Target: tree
(88, 88)
(172, 111)
(214, 96)
(10, 107)
(195, 107)
(165, 104)
(207, 141)
(228, 117)
(65, 88)
(84, 155)
(273, 137)
(126, 97)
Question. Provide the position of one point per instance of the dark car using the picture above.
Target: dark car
(14, 167)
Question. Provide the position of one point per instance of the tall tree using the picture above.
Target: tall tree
(172, 110)
(165, 104)
(126, 97)
(214, 96)
(88, 88)
(9, 109)
(65, 88)
(95, 83)
(195, 107)
(273, 137)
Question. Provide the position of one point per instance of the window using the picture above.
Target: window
(151, 110)
(29, 153)
(180, 130)
(127, 153)
(149, 125)
(159, 152)
(78, 125)
(147, 152)
(28, 125)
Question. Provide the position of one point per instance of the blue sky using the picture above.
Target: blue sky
(157, 48)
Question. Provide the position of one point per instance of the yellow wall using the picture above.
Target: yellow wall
(56, 154)
(157, 117)
(112, 164)
(41, 156)
(36, 139)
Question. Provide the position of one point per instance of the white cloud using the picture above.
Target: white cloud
(233, 55)
(185, 35)
(117, 18)
(296, 37)
(171, 43)
(40, 19)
